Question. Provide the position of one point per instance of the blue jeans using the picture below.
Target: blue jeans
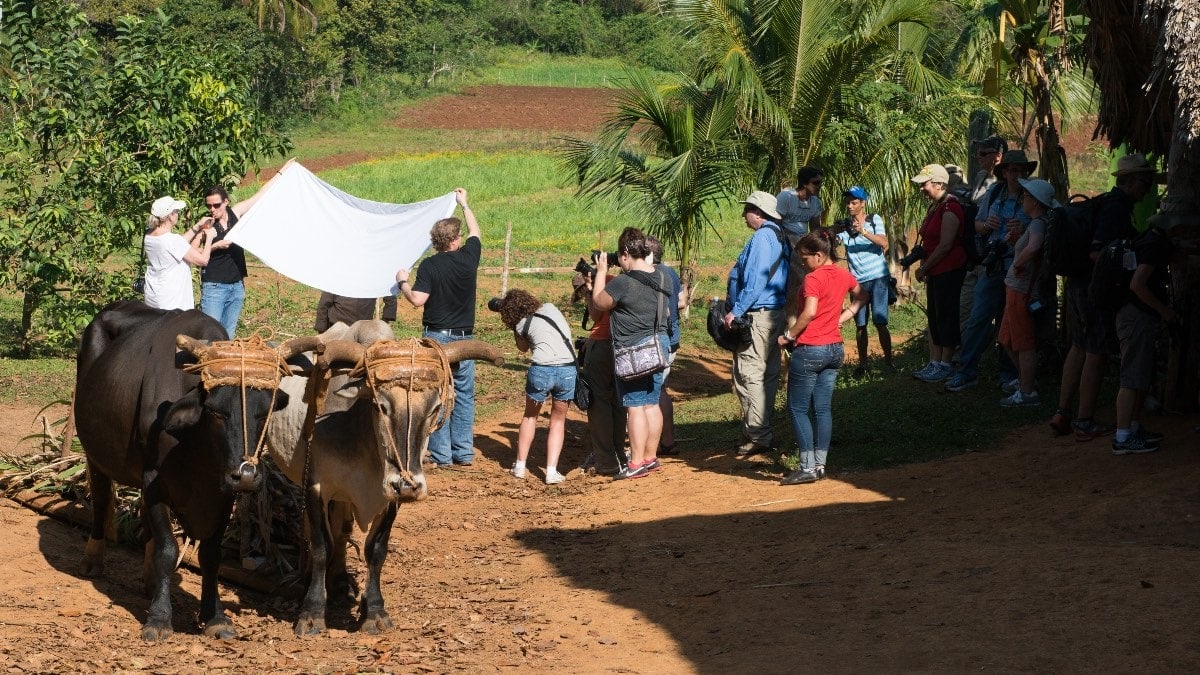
(979, 333)
(877, 302)
(812, 372)
(455, 441)
(223, 302)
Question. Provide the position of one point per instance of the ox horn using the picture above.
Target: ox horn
(463, 350)
(340, 351)
(191, 345)
(311, 343)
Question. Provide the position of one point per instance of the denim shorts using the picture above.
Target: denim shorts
(877, 301)
(545, 381)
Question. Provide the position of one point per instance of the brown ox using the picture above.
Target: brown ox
(365, 449)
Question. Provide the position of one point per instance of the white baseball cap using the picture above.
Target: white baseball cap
(163, 206)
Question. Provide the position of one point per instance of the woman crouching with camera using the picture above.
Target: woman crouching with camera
(636, 302)
(542, 330)
(817, 351)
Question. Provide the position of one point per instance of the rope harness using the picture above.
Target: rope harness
(411, 365)
(246, 363)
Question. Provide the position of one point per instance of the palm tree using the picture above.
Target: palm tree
(782, 83)
(668, 153)
(295, 17)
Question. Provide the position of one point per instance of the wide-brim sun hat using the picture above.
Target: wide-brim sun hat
(1040, 190)
(164, 206)
(1014, 157)
(932, 172)
(765, 202)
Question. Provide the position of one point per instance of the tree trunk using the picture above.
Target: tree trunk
(28, 304)
(1181, 211)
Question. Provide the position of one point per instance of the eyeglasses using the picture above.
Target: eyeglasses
(214, 206)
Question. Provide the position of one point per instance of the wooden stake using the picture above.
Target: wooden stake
(507, 250)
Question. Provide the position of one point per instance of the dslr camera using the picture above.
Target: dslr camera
(992, 256)
(587, 267)
(917, 253)
(844, 225)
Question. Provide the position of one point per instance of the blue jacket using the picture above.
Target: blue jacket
(749, 287)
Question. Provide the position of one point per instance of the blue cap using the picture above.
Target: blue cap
(857, 192)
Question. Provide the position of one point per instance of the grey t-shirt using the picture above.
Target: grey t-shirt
(633, 319)
(547, 346)
(1024, 283)
(796, 213)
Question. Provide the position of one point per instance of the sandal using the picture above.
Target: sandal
(668, 450)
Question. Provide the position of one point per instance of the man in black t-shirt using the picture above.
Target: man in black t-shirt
(445, 288)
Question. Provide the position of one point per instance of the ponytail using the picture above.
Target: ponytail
(820, 240)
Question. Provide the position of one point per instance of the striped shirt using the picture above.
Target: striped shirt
(866, 258)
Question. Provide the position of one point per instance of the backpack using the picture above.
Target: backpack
(1069, 233)
(966, 231)
(1109, 287)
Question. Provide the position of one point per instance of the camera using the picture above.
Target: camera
(612, 257)
(494, 304)
(992, 256)
(844, 225)
(917, 253)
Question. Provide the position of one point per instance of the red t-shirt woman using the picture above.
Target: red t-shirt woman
(817, 351)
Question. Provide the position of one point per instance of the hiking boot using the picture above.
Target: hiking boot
(1061, 422)
(1020, 399)
(1086, 430)
(749, 449)
(553, 477)
(1011, 386)
(800, 476)
(960, 382)
(1134, 445)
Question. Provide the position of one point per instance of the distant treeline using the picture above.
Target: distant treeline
(294, 70)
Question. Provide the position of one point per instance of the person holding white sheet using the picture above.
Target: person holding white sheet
(445, 290)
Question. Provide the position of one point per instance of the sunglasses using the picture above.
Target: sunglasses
(214, 206)
(986, 153)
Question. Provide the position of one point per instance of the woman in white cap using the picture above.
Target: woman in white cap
(943, 266)
(169, 256)
(1018, 334)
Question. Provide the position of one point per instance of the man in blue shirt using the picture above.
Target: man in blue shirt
(758, 294)
(865, 240)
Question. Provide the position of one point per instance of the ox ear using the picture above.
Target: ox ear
(281, 400)
(354, 389)
(184, 413)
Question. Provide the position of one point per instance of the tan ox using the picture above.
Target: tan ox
(366, 447)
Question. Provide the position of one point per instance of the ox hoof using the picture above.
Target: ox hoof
(221, 629)
(309, 625)
(377, 623)
(156, 631)
(93, 557)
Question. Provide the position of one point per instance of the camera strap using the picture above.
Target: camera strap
(566, 340)
(142, 259)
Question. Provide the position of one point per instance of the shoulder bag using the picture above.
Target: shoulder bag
(648, 356)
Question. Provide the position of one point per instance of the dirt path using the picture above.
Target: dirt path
(1043, 555)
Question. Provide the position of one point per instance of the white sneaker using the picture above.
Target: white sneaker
(518, 472)
(553, 477)
(1020, 399)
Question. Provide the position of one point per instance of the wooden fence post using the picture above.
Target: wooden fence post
(507, 250)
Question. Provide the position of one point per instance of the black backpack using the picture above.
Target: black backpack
(1109, 287)
(1070, 230)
